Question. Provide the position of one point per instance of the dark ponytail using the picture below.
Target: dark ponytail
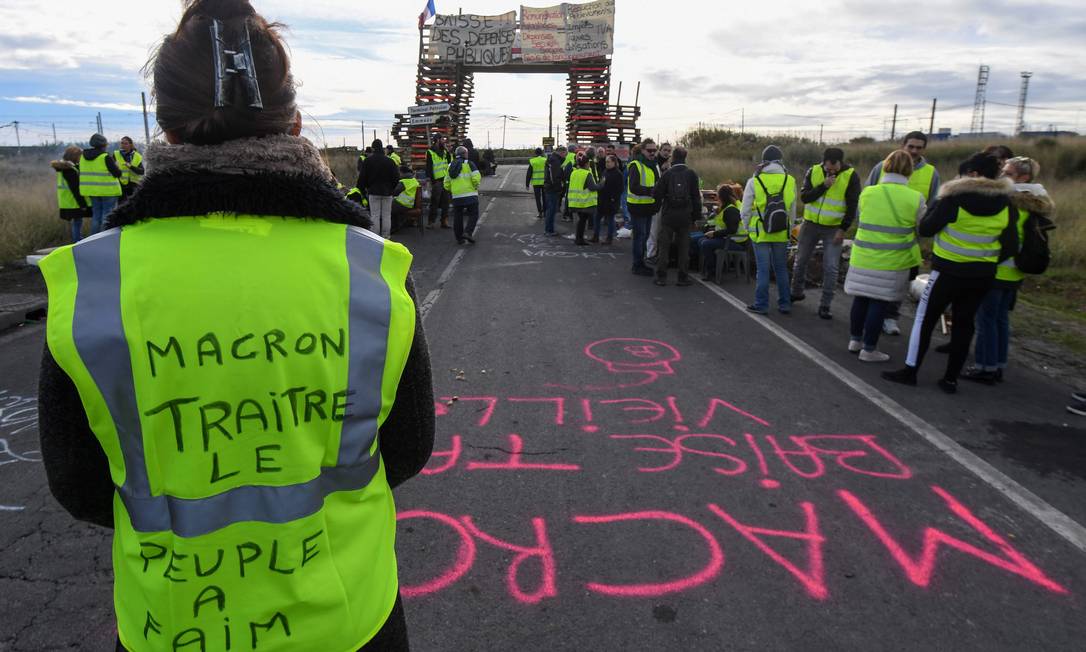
(184, 77)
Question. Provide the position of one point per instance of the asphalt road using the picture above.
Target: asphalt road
(624, 466)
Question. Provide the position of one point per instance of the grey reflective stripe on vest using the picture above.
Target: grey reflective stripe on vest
(879, 228)
(972, 253)
(98, 333)
(96, 183)
(1009, 263)
(969, 237)
(889, 246)
(371, 312)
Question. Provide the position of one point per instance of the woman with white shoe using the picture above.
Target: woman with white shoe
(884, 250)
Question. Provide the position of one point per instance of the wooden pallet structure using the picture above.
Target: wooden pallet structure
(590, 116)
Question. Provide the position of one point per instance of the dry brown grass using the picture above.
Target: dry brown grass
(28, 207)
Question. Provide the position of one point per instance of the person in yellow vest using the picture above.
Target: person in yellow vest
(925, 180)
(462, 185)
(99, 180)
(975, 228)
(993, 316)
(883, 253)
(830, 194)
(534, 177)
(405, 203)
(725, 230)
(72, 205)
(768, 212)
(437, 167)
(583, 195)
(130, 161)
(641, 177)
(390, 151)
(235, 374)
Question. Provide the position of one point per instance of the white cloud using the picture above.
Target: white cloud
(53, 100)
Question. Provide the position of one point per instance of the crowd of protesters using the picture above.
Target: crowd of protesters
(977, 223)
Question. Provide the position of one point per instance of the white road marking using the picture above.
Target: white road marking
(435, 294)
(1060, 523)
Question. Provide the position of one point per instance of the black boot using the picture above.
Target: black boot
(906, 375)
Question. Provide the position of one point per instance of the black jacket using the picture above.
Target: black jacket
(378, 175)
(111, 163)
(610, 197)
(74, 462)
(810, 193)
(663, 189)
(981, 197)
(554, 177)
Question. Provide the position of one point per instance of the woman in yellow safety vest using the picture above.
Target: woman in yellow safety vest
(235, 374)
(974, 226)
(72, 205)
(130, 161)
(884, 251)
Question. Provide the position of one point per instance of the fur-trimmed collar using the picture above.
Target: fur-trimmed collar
(977, 186)
(274, 175)
(272, 154)
(1033, 203)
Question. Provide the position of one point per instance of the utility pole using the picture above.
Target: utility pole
(363, 145)
(504, 119)
(1020, 122)
(893, 124)
(54, 133)
(100, 128)
(820, 134)
(742, 120)
(550, 117)
(18, 141)
(980, 101)
(931, 124)
(146, 129)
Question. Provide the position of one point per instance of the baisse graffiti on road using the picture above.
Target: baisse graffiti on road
(18, 436)
(827, 493)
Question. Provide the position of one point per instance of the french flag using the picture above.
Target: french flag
(427, 13)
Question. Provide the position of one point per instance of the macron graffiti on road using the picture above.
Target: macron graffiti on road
(713, 440)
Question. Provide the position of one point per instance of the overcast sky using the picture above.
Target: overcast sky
(784, 66)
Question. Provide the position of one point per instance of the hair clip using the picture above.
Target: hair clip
(238, 61)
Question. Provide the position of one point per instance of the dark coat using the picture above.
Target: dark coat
(378, 175)
(980, 197)
(554, 176)
(610, 197)
(662, 195)
(74, 462)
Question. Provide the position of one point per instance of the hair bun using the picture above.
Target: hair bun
(220, 9)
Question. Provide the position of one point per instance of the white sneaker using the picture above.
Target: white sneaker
(855, 346)
(890, 327)
(874, 356)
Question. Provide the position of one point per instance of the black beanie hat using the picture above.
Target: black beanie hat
(98, 140)
(772, 153)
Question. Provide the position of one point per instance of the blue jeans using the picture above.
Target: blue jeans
(642, 225)
(994, 328)
(707, 248)
(100, 207)
(77, 229)
(553, 198)
(596, 224)
(866, 321)
(772, 255)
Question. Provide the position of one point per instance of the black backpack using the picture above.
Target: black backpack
(678, 191)
(775, 217)
(1035, 254)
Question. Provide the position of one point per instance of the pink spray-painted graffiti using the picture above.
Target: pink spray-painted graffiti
(643, 360)
(649, 439)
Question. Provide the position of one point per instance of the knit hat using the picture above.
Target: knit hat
(98, 140)
(772, 153)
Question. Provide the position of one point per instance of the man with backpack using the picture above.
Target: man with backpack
(993, 316)
(769, 209)
(679, 200)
